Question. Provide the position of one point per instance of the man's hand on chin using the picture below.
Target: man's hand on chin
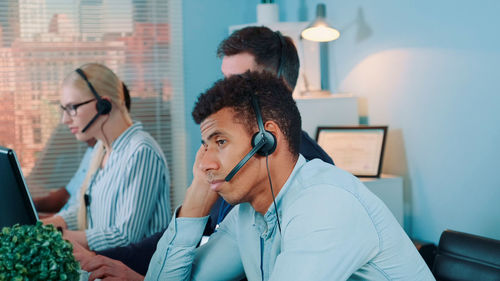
(199, 197)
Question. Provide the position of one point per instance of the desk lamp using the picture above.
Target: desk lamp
(320, 31)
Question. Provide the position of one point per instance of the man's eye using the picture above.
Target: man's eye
(221, 142)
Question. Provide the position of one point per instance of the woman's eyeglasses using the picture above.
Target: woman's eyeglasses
(71, 108)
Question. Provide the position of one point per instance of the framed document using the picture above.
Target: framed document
(358, 150)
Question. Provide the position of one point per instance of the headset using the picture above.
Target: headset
(279, 71)
(263, 142)
(103, 106)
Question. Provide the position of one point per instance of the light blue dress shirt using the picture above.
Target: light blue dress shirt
(74, 185)
(130, 196)
(332, 228)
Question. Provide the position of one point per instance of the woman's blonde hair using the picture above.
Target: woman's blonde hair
(95, 163)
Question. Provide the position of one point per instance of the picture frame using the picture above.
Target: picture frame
(356, 149)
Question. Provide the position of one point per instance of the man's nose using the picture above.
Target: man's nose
(209, 161)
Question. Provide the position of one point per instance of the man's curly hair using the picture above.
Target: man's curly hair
(274, 97)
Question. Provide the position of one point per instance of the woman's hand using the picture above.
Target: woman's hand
(81, 254)
(57, 221)
(76, 237)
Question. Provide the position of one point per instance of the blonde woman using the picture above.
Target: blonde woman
(126, 194)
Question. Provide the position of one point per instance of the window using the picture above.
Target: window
(43, 40)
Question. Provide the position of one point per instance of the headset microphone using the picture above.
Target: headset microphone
(102, 106)
(91, 122)
(263, 142)
(245, 159)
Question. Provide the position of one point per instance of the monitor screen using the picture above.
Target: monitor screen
(16, 205)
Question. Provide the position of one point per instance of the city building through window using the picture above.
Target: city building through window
(41, 41)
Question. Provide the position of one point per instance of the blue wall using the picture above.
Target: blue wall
(205, 25)
(426, 68)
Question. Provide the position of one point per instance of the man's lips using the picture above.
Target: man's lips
(216, 184)
(74, 130)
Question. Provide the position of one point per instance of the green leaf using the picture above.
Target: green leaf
(5, 231)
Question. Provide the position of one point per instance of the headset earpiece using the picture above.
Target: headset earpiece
(103, 106)
(263, 142)
(269, 140)
(263, 137)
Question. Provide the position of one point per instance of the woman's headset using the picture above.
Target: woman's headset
(103, 106)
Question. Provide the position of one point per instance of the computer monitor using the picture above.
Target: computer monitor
(16, 205)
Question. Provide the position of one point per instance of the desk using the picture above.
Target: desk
(389, 189)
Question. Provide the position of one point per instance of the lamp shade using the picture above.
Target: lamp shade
(320, 30)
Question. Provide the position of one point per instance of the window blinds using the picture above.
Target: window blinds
(41, 41)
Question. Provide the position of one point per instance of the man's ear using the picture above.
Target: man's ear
(274, 129)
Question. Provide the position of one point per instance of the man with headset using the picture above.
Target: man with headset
(293, 220)
(261, 49)
(250, 48)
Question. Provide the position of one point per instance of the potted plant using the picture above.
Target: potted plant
(36, 252)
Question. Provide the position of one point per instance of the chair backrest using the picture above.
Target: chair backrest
(462, 256)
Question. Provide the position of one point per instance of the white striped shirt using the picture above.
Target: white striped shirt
(130, 196)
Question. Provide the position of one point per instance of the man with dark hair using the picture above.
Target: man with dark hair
(293, 220)
(259, 48)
